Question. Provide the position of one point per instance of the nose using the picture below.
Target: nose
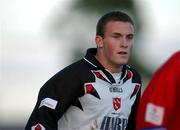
(124, 42)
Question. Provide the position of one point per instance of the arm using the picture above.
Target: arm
(54, 99)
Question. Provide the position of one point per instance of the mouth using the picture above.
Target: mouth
(122, 53)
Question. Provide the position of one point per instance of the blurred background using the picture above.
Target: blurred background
(40, 37)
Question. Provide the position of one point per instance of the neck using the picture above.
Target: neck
(110, 67)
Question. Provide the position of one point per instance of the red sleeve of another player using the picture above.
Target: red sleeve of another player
(160, 97)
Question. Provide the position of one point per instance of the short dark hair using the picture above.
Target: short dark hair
(111, 16)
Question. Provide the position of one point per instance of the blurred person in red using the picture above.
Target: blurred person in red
(159, 107)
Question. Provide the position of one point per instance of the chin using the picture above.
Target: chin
(122, 62)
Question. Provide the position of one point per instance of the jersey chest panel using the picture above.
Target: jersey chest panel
(103, 104)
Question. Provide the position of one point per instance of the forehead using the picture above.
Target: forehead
(119, 26)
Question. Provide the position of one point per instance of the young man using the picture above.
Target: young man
(99, 92)
(159, 108)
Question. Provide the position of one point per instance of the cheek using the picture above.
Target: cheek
(110, 48)
(130, 47)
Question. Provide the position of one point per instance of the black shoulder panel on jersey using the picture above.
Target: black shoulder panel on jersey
(136, 76)
(64, 88)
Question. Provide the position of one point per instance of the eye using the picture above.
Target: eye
(130, 37)
(115, 36)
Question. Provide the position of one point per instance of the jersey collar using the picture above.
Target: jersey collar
(90, 58)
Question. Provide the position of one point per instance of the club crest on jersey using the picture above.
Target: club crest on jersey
(117, 103)
(38, 127)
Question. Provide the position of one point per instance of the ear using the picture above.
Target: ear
(99, 41)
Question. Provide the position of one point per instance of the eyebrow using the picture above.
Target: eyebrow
(119, 34)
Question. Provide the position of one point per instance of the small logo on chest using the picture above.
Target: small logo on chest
(117, 103)
(115, 89)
